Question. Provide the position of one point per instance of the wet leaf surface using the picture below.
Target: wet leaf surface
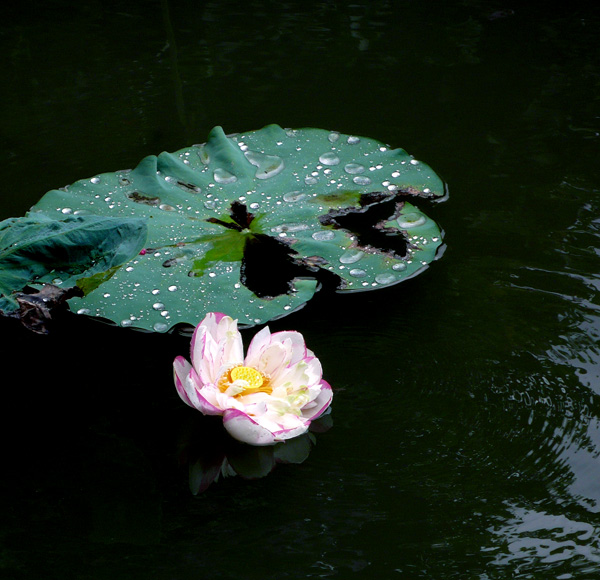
(253, 224)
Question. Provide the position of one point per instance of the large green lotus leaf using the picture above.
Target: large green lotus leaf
(248, 224)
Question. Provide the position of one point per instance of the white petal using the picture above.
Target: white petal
(216, 343)
(259, 342)
(320, 404)
(305, 373)
(273, 360)
(294, 342)
(244, 428)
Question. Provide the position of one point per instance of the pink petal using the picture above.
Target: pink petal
(243, 428)
(194, 392)
(248, 430)
(320, 404)
(291, 433)
(181, 369)
(218, 316)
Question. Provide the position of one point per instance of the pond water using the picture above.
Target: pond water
(465, 435)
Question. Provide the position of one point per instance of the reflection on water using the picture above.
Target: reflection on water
(211, 453)
(531, 538)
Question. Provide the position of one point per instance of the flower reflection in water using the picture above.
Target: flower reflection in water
(210, 453)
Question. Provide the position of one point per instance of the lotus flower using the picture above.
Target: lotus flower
(270, 395)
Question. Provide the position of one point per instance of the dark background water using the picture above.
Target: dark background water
(466, 420)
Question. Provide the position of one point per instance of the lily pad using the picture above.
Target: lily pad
(251, 224)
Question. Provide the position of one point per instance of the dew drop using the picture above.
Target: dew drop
(294, 196)
(95, 180)
(224, 177)
(353, 140)
(414, 162)
(351, 256)
(126, 322)
(160, 327)
(357, 273)
(158, 306)
(411, 220)
(66, 210)
(361, 180)
(156, 291)
(385, 278)
(295, 227)
(166, 207)
(83, 311)
(310, 180)
(354, 168)
(333, 136)
(172, 288)
(203, 154)
(210, 204)
(399, 267)
(254, 205)
(267, 165)
(323, 235)
(329, 158)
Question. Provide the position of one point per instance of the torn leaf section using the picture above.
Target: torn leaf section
(38, 310)
(367, 224)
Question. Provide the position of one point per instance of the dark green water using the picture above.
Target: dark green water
(466, 420)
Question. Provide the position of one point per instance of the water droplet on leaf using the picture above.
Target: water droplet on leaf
(411, 220)
(329, 158)
(294, 196)
(267, 165)
(351, 256)
(357, 273)
(385, 278)
(323, 235)
(354, 168)
(224, 177)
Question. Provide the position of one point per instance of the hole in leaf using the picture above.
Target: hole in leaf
(269, 267)
(366, 222)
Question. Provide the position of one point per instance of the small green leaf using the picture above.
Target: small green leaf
(37, 249)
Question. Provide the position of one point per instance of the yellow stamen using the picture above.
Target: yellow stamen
(255, 381)
(248, 374)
